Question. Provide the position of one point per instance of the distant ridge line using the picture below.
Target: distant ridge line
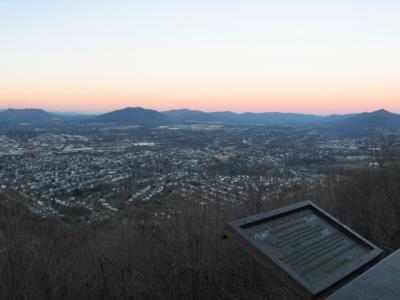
(150, 117)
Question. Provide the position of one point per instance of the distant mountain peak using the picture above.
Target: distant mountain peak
(135, 115)
(27, 115)
(133, 108)
(381, 118)
(382, 112)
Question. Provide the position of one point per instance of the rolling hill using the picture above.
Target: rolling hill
(134, 115)
(367, 120)
(184, 115)
(29, 115)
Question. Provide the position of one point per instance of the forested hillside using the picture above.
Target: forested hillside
(138, 256)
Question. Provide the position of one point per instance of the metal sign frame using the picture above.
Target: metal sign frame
(235, 231)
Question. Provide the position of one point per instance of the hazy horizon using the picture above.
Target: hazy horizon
(188, 108)
(288, 56)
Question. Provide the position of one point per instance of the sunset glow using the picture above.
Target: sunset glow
(290, 56)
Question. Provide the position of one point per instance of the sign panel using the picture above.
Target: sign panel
(380, 282)
(307, 245)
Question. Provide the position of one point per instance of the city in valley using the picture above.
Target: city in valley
(84, 170)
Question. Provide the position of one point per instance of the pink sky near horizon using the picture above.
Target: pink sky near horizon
(281, 100)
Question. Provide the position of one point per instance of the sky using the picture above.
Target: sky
(308, 56)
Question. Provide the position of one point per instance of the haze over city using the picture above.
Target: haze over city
(288, 56)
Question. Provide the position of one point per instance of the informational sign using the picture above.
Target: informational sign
(310, 249)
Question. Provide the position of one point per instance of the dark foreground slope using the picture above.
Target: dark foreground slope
(138, 256)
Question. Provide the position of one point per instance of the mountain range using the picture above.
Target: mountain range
(149, 117)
